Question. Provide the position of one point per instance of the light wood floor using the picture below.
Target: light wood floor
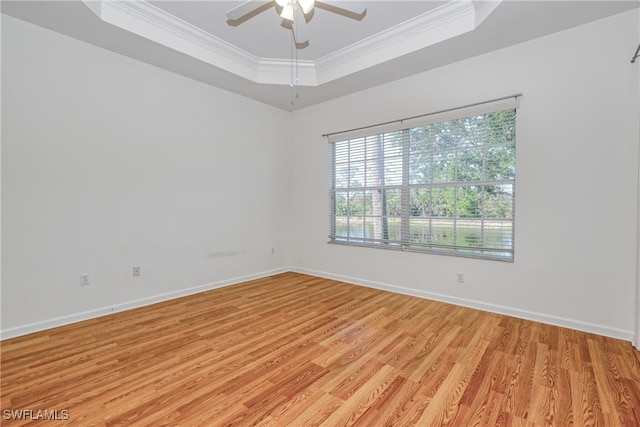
(295, 350)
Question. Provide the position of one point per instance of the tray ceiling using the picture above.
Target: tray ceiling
(395, 39)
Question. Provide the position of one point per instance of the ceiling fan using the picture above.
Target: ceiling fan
(296, 13)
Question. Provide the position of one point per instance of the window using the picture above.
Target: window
(445, 186)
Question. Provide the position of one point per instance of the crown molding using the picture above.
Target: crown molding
(153, 23)
(146, 20)
(298, 73)
(451, 19)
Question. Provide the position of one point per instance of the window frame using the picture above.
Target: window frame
(405, 242)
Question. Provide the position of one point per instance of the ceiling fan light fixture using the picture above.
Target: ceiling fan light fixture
(296, 13)
(287, 10)
(306, 5)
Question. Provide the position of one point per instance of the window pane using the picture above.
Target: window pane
(356, 150)
(420, 202)
(393, 200)
(368, 203)
(394, 227)
(500, 162)
(420, 155)
(374, 148)
(443, 202)
(422, 139)
(356, 174)
(498, 234)
(341, 152)
(469, 202)
(341, 199)
(393, 144)
(420, 168)
(356, 203)
(470, 165)
(342, 176)
(341, 226)
(350, 227)
(498, 201)
(443, 166)
(420, 230)
(376, 228)
(469, 233)
(393, 171)
(375, 173)
(442, 231)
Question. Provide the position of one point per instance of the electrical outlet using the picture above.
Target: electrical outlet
(461, 277)
(136, 271)
(84, 279)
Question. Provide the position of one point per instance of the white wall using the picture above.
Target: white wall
(576, 210)
(109, 163)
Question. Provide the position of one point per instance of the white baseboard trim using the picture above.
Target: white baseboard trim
(622, 334)
(104, 311)
(564, 322)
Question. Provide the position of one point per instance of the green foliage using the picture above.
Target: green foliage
(461, 155)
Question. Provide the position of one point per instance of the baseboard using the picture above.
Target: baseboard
(564, 322)
(104, 311)
(622, 334)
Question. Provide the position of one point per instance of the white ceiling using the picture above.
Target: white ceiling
(395, 39)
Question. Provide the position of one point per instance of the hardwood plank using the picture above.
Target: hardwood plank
(444, 405)
(293, 349)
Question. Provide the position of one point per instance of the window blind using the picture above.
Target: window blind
(440, 183)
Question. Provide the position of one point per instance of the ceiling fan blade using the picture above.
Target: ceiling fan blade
(299, 27)
(245, 8)
(354, 7)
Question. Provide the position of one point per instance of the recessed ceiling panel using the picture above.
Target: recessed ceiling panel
(347, 51)
(263, 35)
